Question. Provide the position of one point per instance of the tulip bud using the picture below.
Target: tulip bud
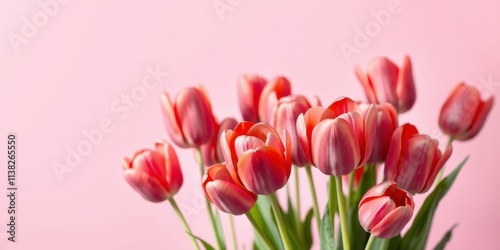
(385, 209)
(256, 157)
(387, 122)
(249, 91)
(414, 160)
(211, 152)
(272, 92)
(464, 113)
(154, 173)
(284, 117)
(224, 193)
(184, 117)
(337, 139)
(385, 82)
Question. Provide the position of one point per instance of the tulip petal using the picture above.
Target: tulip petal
(432, 177)
(383, 75)
(344, 105)
(249, 90)
(272, 92)
(392, 224)
(244, 143)
(405, 89)
(335, 150)
(400, 135)
(479, 119)
(262, 171)
(367, 86)
(373, 211)
(229, 198)
(173, 173)
(149, 187)
(172, 121)
(195, 108)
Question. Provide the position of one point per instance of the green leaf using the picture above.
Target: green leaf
(446, 238)
(327, 241)
(218, 227)
(416, 237)
(306, 230)
(395, 243)
(263, 216)
(205, 244)
(359, 236)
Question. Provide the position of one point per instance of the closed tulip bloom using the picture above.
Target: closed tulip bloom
(272, 92)
(464, 113)
(154, 173)
(414, 160)
(284, 117)
(385, 209)
(224, 193)
(385, 82)
(339, 138)
(249, 91)
(211, 151)
(387, 122)
(256, 157)
(189, 120)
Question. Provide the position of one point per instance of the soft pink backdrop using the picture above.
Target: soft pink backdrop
(66, 78)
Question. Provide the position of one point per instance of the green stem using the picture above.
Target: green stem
(297, 200)
(218, 237)
(342, 213)
(383, 244)
(369, 244)
(281, 224)
(259, 231)
(314, 198)
(233, 232)
(332, 202)
(351, 187)
(184, 222)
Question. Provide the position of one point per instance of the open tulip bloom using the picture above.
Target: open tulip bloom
(244, 166)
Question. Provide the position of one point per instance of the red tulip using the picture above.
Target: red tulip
(189, 120)
(256, 157)
(385, 82)
(272, 92)
(211, 152)
(337, 139)
(385, 209)
(464, 113)
(154, 173)
(284, 117)
(224, 193)
(414, 160)
(249, 91)
(387, 122)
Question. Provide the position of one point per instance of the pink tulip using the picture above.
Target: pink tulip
(272, 92)
(387, 122)
(256, 157)
(414, 160)
(154, 173)
(211, 151)
(385, 82)
(464, 113)
(224, 193)
(249, 91)
(339, 138)
(189, 120)
(385, 209)
(284, 117)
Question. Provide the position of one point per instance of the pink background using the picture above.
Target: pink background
(65, 79)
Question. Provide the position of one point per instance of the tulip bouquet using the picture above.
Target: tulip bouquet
(375, 166)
